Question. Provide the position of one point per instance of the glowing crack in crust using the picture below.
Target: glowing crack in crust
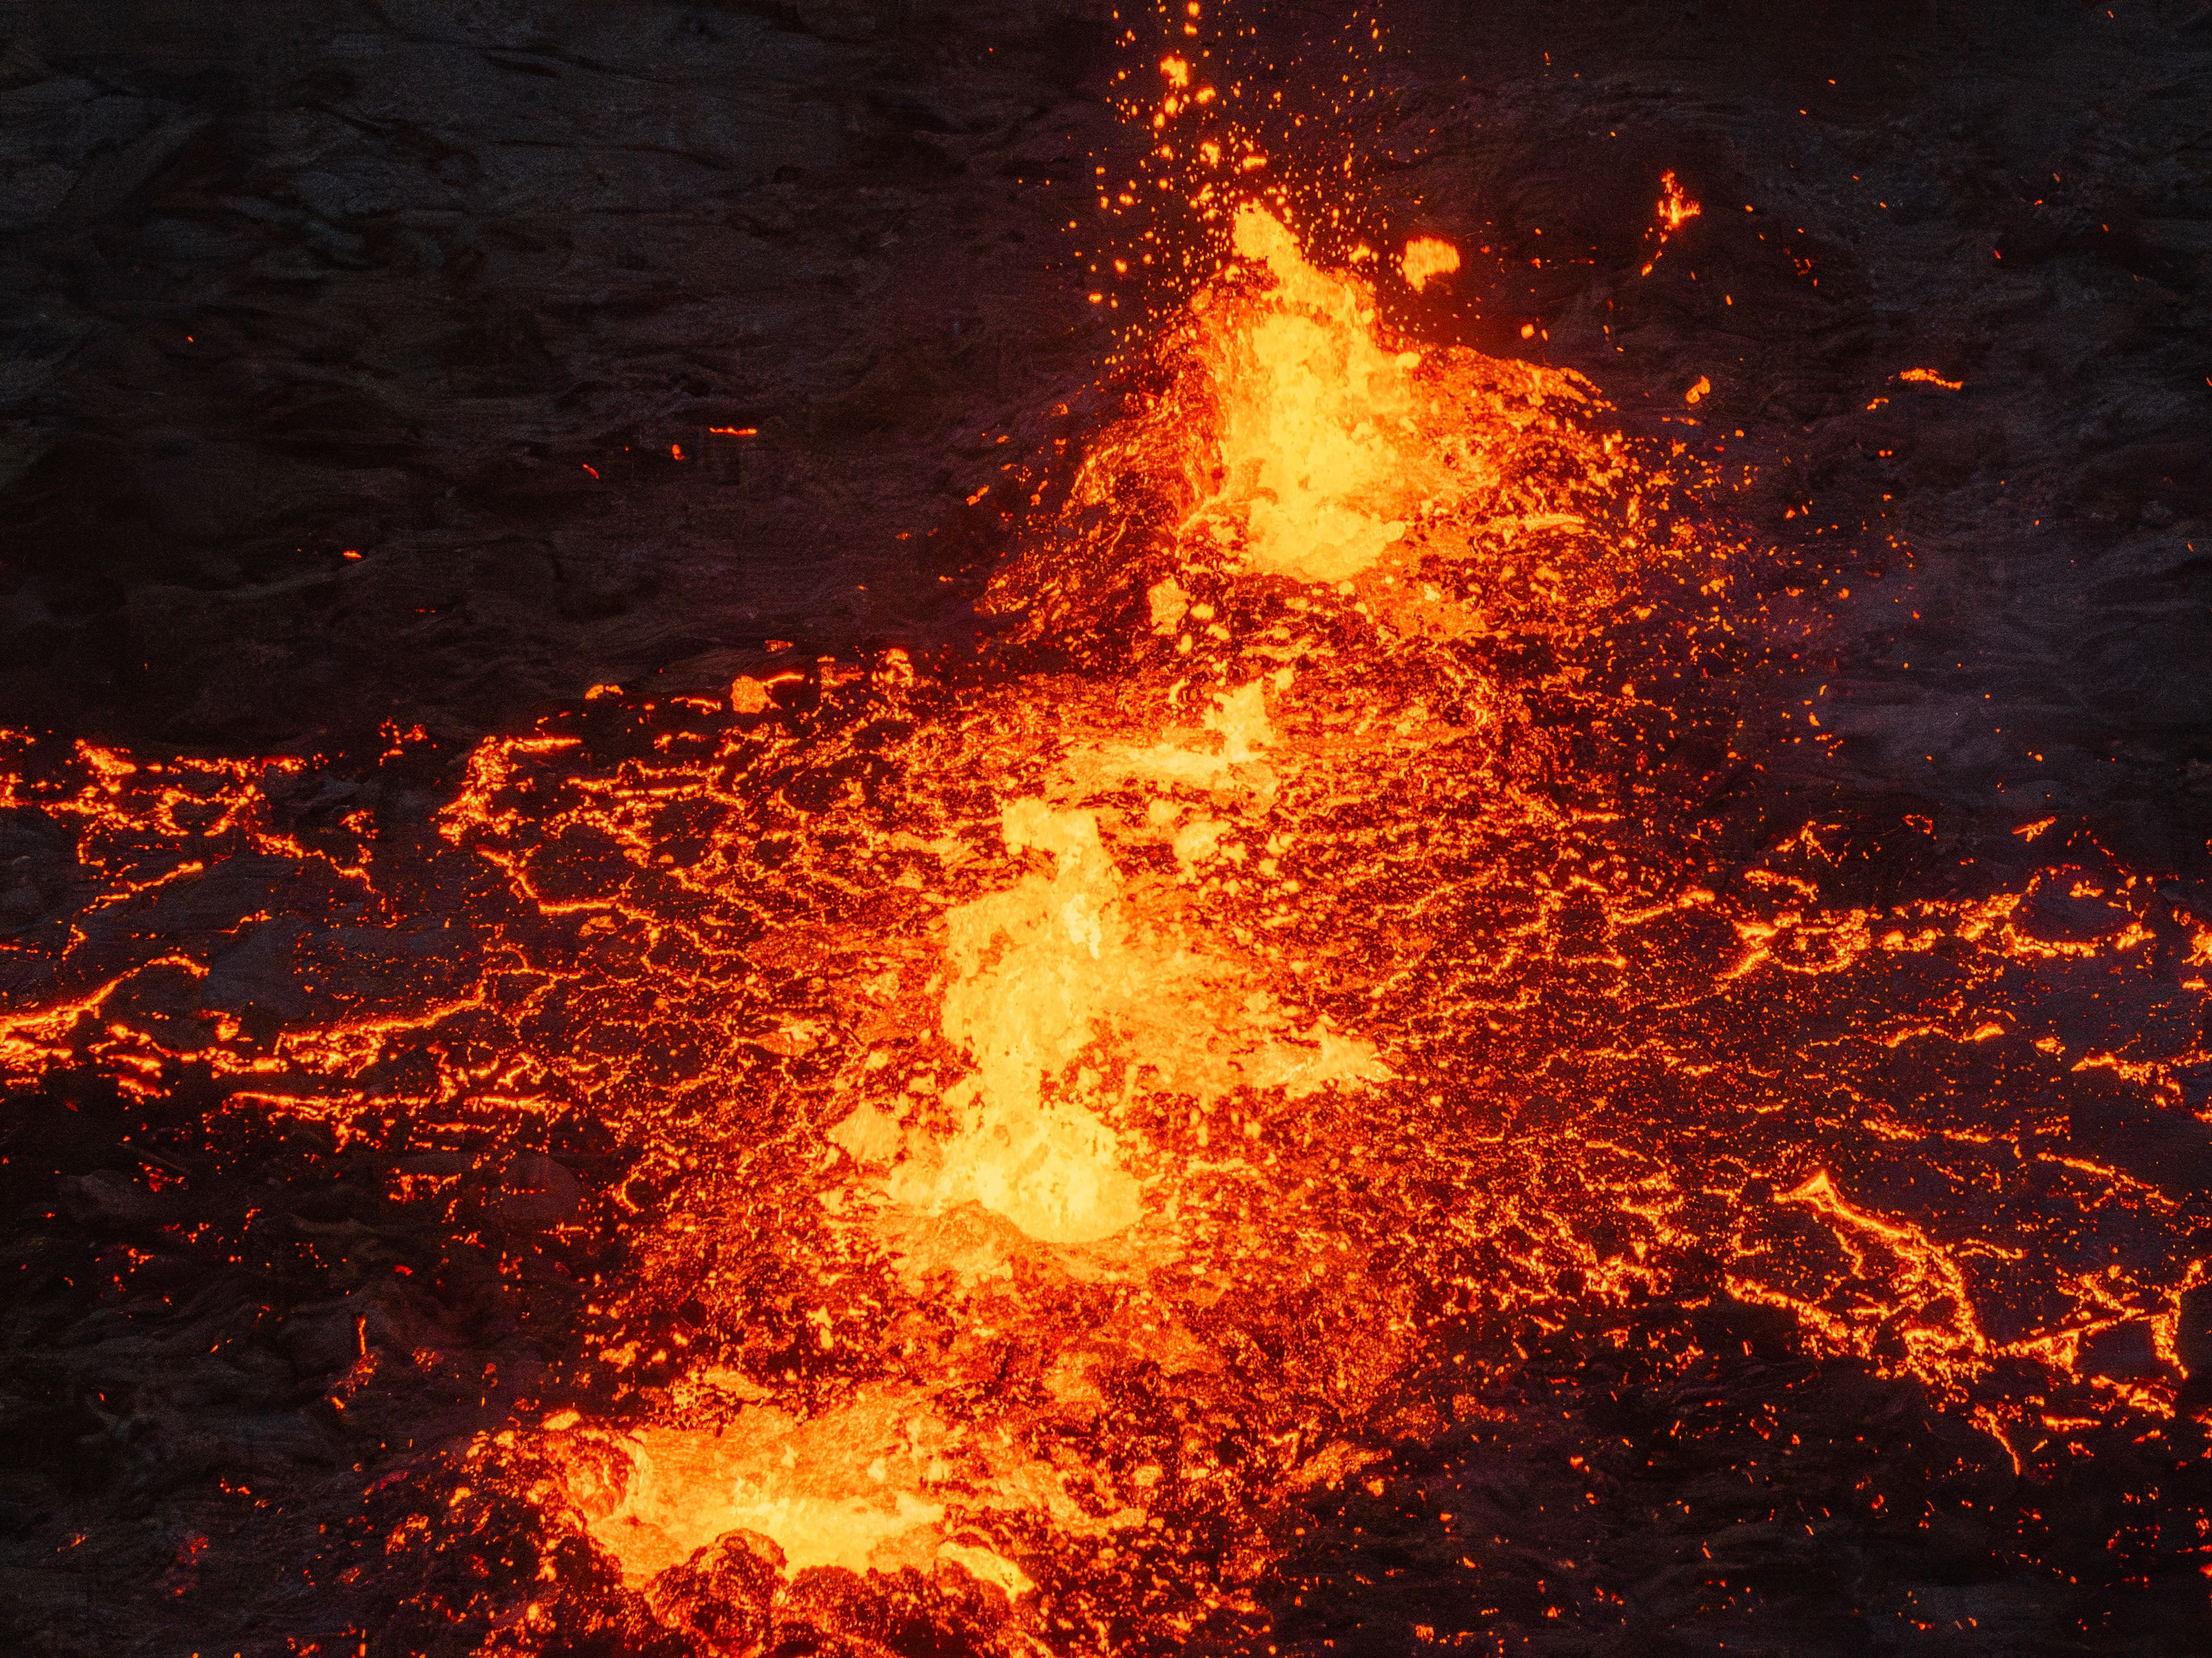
(1071, 1109)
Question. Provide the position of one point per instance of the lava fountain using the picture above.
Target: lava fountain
(1047, 1121)
(1072, 1110)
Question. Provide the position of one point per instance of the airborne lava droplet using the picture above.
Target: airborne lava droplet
(1426, 259)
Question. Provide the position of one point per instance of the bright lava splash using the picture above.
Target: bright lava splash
(1069, 1108)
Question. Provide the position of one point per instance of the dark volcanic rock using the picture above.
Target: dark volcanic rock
(363, 363)
(352, 349)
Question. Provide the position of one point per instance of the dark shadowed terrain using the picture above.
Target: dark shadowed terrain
(362, 365)
(294, 279)
(290, 280)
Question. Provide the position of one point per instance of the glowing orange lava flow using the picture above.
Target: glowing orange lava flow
(1079, 1106)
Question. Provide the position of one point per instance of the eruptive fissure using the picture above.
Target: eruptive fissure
(1047, 1120)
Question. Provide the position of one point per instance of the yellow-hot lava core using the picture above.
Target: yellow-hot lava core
(1321, 447)
(1036, 968)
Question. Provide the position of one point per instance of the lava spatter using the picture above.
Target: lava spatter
(1076, 1107)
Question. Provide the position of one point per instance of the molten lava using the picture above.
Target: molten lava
(1071, 1108)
